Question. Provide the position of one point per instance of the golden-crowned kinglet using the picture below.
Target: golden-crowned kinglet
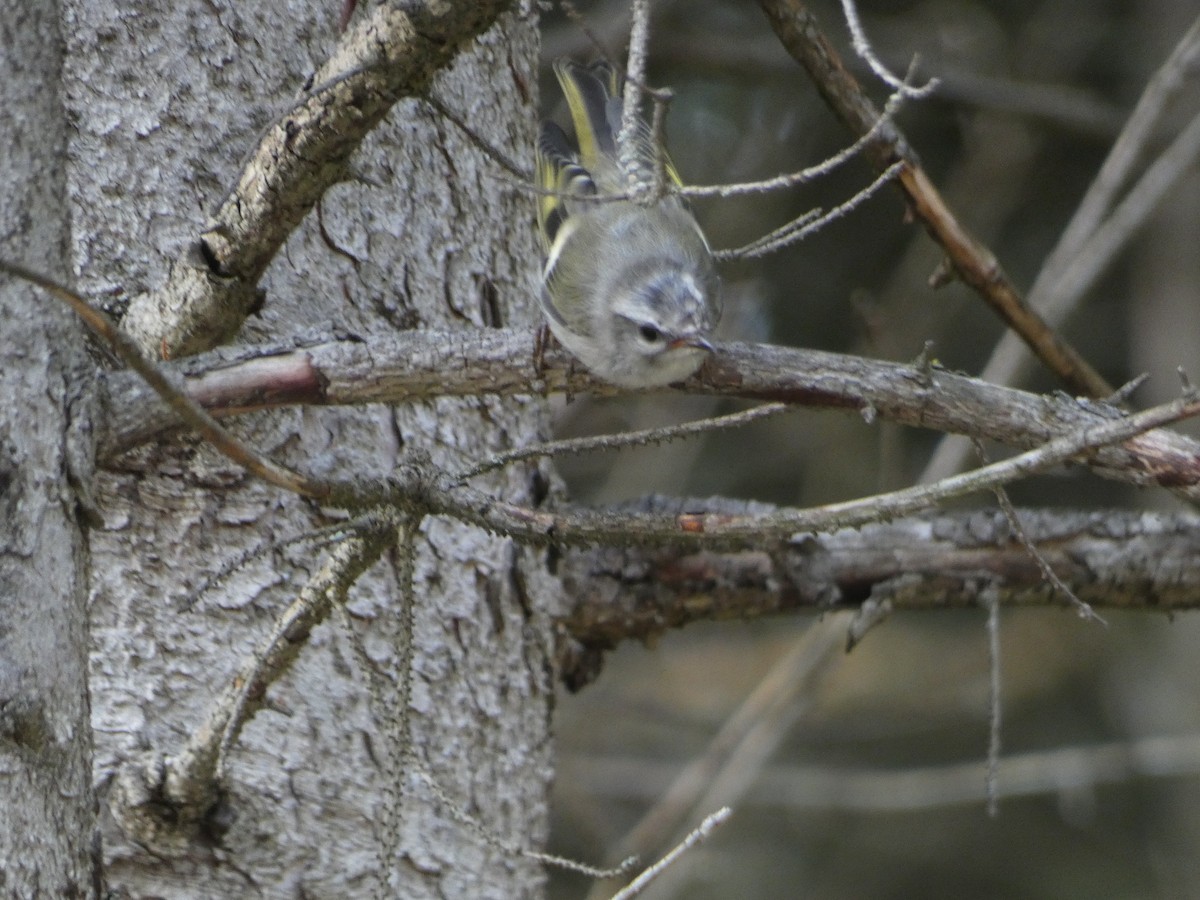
(629, 288)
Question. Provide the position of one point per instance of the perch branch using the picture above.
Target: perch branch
(398, 368)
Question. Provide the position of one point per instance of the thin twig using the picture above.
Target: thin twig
(183, 405)
(792, 789)
(393, 707)
(488, 149)
(626, 439)
(316, 537)
(348, 561)
(455, 811)
(804, 176)
(571, 865)
(780, 237)
(1099, 251)
(862, 47)
(995, 706)
(807, 224)
(191, 776)
(1115, 170)
(801, 35)
(1018, 531)
(587, 526)
(699, 834)
(658, 126)
(727, 768)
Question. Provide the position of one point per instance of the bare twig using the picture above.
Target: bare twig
(729, 764)
(587, 526)
(862, 47)
(190, 778)
(1018, 531)
(181, 404)
(571, 865)
(416, 486)
(995, 705)
(490, 150)
(626, 439)
(317, 537)
(804, 176)
(1118, 165)
(813, 787)
(1072, 279)
(799, 32)
(809, 223)
(698, 835)
(455, 811)
(427, 492)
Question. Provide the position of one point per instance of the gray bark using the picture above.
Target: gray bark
(165, 100)
(47, 841)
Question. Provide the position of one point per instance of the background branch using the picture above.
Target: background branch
(974, 263)
(1101, 227)
(1111, 560)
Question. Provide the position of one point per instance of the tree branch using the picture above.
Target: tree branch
(1110, 559)
(398, 368)
(389, 54)
(154, 795)
(800, 34)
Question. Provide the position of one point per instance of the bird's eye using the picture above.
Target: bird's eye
(650, 334)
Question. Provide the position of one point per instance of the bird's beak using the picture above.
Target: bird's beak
(694, 341)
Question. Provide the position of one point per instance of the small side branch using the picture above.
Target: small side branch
(188, 783)
(415, 486)
(387, 54)
(698, 835)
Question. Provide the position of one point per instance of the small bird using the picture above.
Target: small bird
(630, 289)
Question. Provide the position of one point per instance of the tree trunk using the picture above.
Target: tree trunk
(47, 842)
(165, 100)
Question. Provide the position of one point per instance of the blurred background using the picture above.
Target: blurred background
(874, 784)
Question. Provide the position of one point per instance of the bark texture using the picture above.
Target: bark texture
(47, 841)
(166, 101)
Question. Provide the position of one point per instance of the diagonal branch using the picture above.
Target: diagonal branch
(185, 787)
(389, 54)
(800, 34)
(180, 403)
(416, 486)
